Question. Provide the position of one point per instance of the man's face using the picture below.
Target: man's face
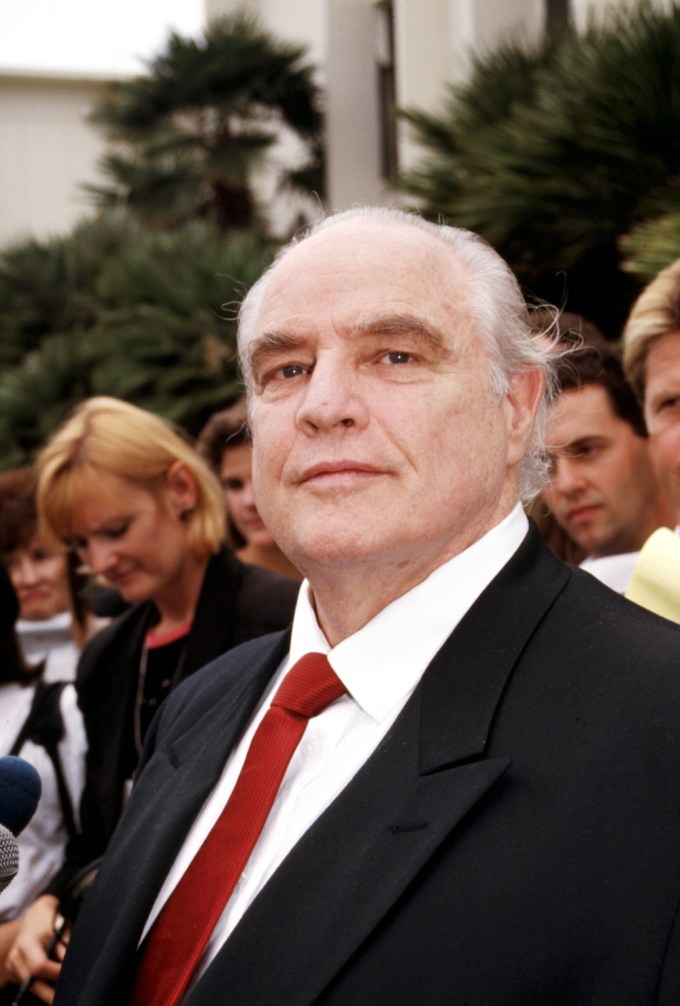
(662, 412)
(376, 438)
(602, 489)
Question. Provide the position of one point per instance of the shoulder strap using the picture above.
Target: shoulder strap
(44, 726)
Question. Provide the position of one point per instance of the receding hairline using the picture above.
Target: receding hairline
(446, 252)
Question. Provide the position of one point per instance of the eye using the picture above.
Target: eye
(398, 356)
(292, 370)
(116, 531)
(233, 485)
(41, 555)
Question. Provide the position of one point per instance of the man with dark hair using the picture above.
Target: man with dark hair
(603, 491)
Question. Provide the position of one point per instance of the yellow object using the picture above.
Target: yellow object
(655, 583)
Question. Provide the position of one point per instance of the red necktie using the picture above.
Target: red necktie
(178, 937)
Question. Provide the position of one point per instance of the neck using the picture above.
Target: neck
(177, 602)
(347, 596)
(661, 517)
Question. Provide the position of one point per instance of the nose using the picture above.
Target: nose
(567, 478)
(25, 572)
(248, 496)
(332, 398)
(99, 556)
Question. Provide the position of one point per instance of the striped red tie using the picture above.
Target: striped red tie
(178, 937)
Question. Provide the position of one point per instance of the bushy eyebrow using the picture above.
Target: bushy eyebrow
(270, 342)
(405, 324)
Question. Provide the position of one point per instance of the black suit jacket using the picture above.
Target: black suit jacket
(237, 603)
(514, 840)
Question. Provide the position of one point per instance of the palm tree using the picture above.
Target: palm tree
(557, 151)
(188, 136)
(141, 315)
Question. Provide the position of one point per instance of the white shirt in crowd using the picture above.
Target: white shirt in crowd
(50, 639)
(42, 842)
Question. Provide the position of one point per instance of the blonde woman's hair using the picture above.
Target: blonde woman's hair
(109, 436)
(655, 313)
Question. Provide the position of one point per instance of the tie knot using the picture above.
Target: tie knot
(309, 686)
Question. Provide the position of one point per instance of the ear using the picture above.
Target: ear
(181, 487)
(523, 399)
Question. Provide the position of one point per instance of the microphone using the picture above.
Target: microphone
(20, 789)
(9, 857)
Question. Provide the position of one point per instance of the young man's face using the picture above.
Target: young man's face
(602, 489)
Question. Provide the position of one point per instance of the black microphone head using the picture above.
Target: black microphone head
(20, 789)
(9, 857)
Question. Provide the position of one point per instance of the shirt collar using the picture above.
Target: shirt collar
(381, 664)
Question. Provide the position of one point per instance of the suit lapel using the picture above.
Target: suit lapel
(170, 792)
(356, 861)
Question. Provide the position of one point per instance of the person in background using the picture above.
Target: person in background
(651, 358)
(55, 616)
(40, 722)
(225, 444)
(602, 489)
(126, 491)
(475, 794)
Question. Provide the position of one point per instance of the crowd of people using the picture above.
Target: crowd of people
(442, 769)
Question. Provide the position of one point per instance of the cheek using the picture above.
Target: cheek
(55, 572)
(232, 501)
(665, 449)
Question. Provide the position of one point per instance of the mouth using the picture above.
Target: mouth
(339, 472)
(253, 524)
(33, 594)
(582, 514)
(118, 578)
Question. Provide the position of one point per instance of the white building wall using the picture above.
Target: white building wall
(434, 40)
(47, 150)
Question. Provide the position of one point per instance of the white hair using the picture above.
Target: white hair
(496, 306)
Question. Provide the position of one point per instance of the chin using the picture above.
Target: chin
(37, 615)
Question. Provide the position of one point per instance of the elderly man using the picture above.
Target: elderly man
(456, 781)
(602, 490)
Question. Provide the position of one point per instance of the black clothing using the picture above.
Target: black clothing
(237, 603)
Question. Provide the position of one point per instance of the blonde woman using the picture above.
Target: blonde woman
(144, 512)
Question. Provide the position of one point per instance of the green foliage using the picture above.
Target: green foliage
(116, 309)
(188, 136)
(555, 152)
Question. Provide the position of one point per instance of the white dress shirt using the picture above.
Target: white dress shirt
(614, 570)
(380, 666)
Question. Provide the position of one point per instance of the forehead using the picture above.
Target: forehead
(90, 502)
(237, 458)
(581, 412)
(663, 359)
(357, 269)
